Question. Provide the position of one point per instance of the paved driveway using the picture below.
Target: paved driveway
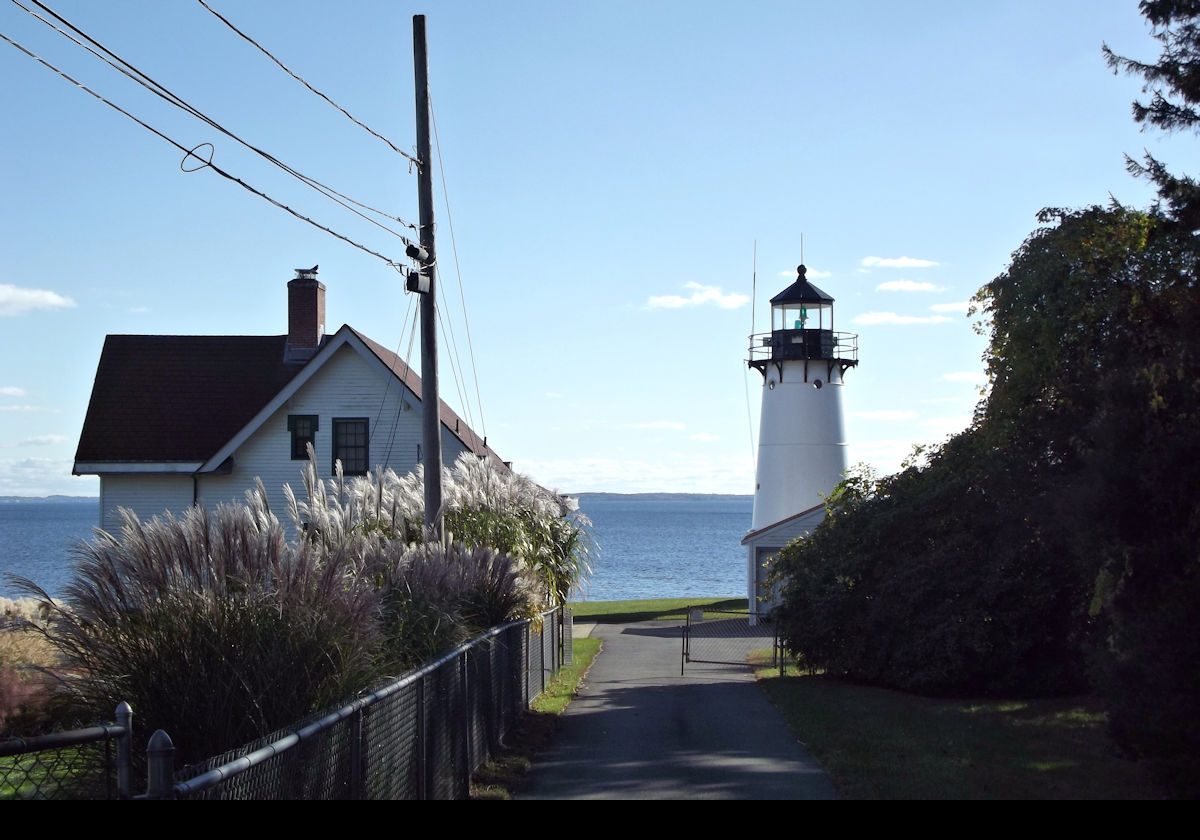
(639, 730)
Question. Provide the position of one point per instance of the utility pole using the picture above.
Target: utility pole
(430, 404)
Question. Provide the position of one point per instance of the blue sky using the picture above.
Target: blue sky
(610, 168)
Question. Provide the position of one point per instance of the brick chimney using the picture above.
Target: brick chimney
(306, 316)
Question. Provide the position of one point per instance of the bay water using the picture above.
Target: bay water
(665, 545)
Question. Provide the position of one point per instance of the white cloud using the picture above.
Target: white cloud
(959, 306)
(701, 294)
(896, 262)
(906, 286)
(660, 424)
(704, 436)
(949, 425)
(893, 318)
(975, 376)
(17, 301)
(27, 408)
(887, 414)
(43, 440)
(12, 391)
(44, 477)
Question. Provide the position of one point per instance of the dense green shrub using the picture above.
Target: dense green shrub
(1056, 539)
(933, 580)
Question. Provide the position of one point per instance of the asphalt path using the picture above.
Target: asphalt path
(640, 730)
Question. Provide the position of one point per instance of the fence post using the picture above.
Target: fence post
(160, 758)
(464, 724)
(357, 788)
(422, 742)
(125, 751)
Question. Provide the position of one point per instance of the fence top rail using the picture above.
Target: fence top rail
(74, 737)
(240, 765)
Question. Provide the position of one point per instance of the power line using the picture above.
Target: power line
(189, 153)
(456, 372)
(117, 63)
(299, 79)
(457, 268)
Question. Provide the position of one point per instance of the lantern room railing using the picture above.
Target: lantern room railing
(781, 345)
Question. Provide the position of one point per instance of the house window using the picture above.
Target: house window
(304, 431)
(350, 444)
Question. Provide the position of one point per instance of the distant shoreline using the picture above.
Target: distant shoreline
(666, 496)
(54, 498)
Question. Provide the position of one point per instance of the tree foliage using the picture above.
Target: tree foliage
(1057, 541)
(1173, 83)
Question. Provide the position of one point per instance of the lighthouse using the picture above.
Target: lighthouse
(801, 434)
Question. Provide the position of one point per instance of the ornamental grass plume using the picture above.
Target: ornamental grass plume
(483, 505)
(218, 629)
(211, 626)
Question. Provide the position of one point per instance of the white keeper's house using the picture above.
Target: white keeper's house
(177, 420)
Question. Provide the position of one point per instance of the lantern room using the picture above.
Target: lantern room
(802, 329)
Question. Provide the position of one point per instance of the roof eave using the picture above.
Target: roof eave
(136, 467)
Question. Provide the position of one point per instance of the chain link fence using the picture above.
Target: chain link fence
(90, 763)
(729, 638)
(418, 737)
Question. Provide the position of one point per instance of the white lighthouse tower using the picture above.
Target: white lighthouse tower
(801, 434)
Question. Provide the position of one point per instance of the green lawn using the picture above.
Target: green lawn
(499, 778)
(619, 612)
(881, 744)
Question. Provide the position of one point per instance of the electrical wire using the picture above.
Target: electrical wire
(119, 64)
(388, 383)
(457, 268)
(454, 357)
(188, 153)
(412, 336)
(299, 79)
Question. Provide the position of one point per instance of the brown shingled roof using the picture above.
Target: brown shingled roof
(171, 398)
(178, 397)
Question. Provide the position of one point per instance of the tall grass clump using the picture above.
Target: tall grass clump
(483, 505)
(212, 626)
(218, 629)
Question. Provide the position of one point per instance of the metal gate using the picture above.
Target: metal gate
(728, 638)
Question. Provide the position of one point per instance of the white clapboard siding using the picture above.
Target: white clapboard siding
(145, 495)
(346, 386)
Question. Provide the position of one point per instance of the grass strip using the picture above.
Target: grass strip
(660, 609)
(501, 776)
(882, 744)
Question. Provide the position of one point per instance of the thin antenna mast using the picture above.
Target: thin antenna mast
(753, 287)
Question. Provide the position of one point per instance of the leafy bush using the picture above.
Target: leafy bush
(933, 581)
